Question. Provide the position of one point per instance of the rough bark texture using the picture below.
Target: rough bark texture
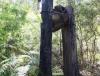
(69, 46)
(46, 39)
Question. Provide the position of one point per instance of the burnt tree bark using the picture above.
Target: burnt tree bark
(46, 39)
(70, 46)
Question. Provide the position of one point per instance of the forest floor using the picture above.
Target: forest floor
(94, 70)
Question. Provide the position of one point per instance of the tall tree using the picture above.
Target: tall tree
(46, 39)
(70, 46)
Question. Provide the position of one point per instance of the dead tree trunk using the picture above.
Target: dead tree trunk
(69, 46)
(46, 39)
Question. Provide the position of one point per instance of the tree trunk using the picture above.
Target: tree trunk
(46, 39)
(70, 47)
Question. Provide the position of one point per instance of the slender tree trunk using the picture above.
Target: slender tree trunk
(46, 39)
(70, 47)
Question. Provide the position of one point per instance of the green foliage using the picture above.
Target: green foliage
(11, 17)
(33, 71)
(6, 68)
